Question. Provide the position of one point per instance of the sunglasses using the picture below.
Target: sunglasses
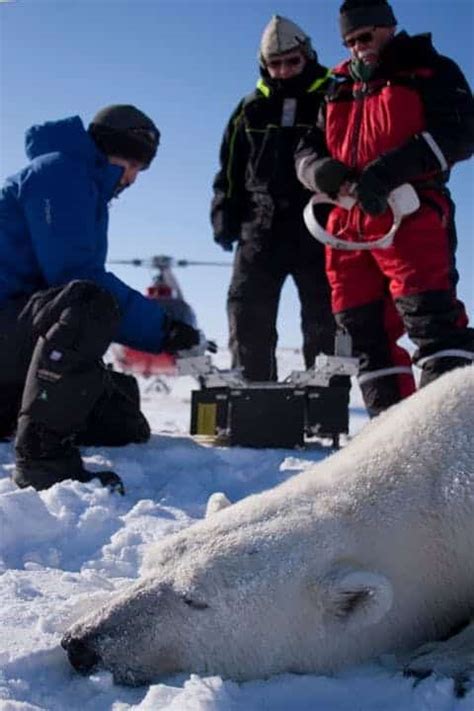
(285, 61)
(363, 38)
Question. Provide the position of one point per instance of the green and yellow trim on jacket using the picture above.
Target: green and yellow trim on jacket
(232, 140)
(316, 85)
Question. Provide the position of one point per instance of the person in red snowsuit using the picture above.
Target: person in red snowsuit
(397, 112)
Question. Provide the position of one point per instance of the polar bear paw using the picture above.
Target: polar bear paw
(453, 658)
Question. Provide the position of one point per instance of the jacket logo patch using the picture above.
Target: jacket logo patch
(48, 212)
(288, 113)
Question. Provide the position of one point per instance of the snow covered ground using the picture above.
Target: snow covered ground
(65, 550)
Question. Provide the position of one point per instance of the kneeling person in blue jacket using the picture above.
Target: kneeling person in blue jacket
(59, 306)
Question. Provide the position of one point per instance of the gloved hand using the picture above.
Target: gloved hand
(372, 190)
(211, 346)
(329, 176)
(227, 243)
(180, 337)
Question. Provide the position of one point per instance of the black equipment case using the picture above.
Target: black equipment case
(271, 414)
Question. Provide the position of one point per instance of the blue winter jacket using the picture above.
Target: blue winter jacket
(53, 227)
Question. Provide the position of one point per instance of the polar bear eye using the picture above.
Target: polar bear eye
(195, 604)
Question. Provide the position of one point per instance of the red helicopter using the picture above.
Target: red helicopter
(164, 288)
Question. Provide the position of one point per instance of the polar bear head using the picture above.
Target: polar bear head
(367, 552)
(225, 602)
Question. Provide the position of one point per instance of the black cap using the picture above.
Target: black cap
(125, 131)
(365, 13)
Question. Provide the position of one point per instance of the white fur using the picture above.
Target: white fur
(367, 552)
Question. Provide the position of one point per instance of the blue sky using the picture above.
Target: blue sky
(186, 63)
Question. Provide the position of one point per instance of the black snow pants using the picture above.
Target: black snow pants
(261, 266)
(52, 374)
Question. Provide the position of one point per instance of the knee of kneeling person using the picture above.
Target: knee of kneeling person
(77, 296)
(85, 291)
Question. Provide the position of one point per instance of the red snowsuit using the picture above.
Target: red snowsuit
(415, 118)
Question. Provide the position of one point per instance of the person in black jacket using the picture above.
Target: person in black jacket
(258, 203)
(397, 112)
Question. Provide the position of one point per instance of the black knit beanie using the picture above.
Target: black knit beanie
(123, 130)
(365, 13)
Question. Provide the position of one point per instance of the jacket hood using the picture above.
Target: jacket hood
(69, 137)
(64, 136)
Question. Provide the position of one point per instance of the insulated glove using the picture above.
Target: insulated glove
(180, 337)
(372, 190)
(329, 176)
(412, 160)
(227, 243)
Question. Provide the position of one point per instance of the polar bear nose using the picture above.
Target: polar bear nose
(82, 657)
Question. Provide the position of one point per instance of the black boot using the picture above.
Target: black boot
(44, 458)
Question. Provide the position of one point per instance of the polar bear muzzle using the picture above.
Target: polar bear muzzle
(81, 655)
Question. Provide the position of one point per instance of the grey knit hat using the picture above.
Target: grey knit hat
(125, 131)
(365, 13)
(282, 35)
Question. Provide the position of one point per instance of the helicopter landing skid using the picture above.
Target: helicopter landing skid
(158, 384)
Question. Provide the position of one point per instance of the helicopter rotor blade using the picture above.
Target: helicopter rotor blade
(192, 263)
(132, 262)
(162, 261)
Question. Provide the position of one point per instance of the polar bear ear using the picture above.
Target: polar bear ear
(357, 597)
(216, 502)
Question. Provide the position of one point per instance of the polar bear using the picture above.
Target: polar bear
(367, 552)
